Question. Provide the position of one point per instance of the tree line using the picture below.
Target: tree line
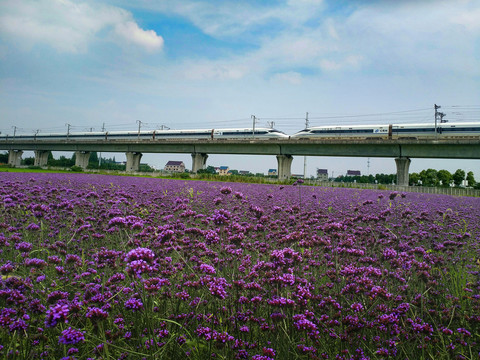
(210, 170)
(429, 177)
(94, 162)
(444, 178)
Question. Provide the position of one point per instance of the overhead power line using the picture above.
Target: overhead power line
(343, 116)
(453, 113)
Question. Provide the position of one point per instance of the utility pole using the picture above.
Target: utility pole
(36, 132)
(368, 166)
(164, 127)
(100, 154)
(14, 131)
(68, 129)
(139, 126)
(440, 115)
(307, 123)
(254, 119)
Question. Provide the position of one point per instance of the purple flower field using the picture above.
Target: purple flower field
(103, 267)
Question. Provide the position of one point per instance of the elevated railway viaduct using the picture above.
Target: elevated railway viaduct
(402, 150)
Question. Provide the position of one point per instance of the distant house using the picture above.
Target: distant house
(322, 174)
(297, 176)
(272, 172)
(223, 170)
(175, 166)
(353, 173)
(244, 172)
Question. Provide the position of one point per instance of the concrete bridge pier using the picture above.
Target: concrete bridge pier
(284, 166)
(81, 158)
(15, 157)
(41, 158)
(199, 162)
(403, 164)
(133, 161)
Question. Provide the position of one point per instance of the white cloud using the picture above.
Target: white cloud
(348, 63)
(329, 65)
(468, 19)
(398, 38)
(68, 26)
(213, 70)
(231, 18)
(130, 31)
(291, 77)
(331, 29)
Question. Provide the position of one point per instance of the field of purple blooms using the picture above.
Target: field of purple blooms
(106, 267)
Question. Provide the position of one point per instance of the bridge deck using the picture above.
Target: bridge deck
(411, 148)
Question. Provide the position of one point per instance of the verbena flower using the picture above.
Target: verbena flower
(24, 246)
(133, 304)
(71, 336)
(96, 313)
(57, 313)
(207, 269)
(140, 253)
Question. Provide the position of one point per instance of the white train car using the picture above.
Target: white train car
(460, 130)
(259, 133)
(248, 133)
(348, 132)
(413, 131)
(396, 131)
(443, 131)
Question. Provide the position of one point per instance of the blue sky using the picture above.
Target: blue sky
(205, 64)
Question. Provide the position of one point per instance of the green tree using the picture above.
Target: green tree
(458, 177)
(29, 161)
(93, 160)
(208, 170)
(445, 177)
(62, 161)
(385, 178)
(429, 177)
(4, 158)
(413, 179)
(471, 179)
(145, 168)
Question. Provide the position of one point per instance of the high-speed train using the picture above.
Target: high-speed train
(399, 131)
(258, 133)
(396, 131)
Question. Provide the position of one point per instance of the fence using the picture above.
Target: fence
(420, 189)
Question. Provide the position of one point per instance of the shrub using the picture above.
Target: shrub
(76, 168)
